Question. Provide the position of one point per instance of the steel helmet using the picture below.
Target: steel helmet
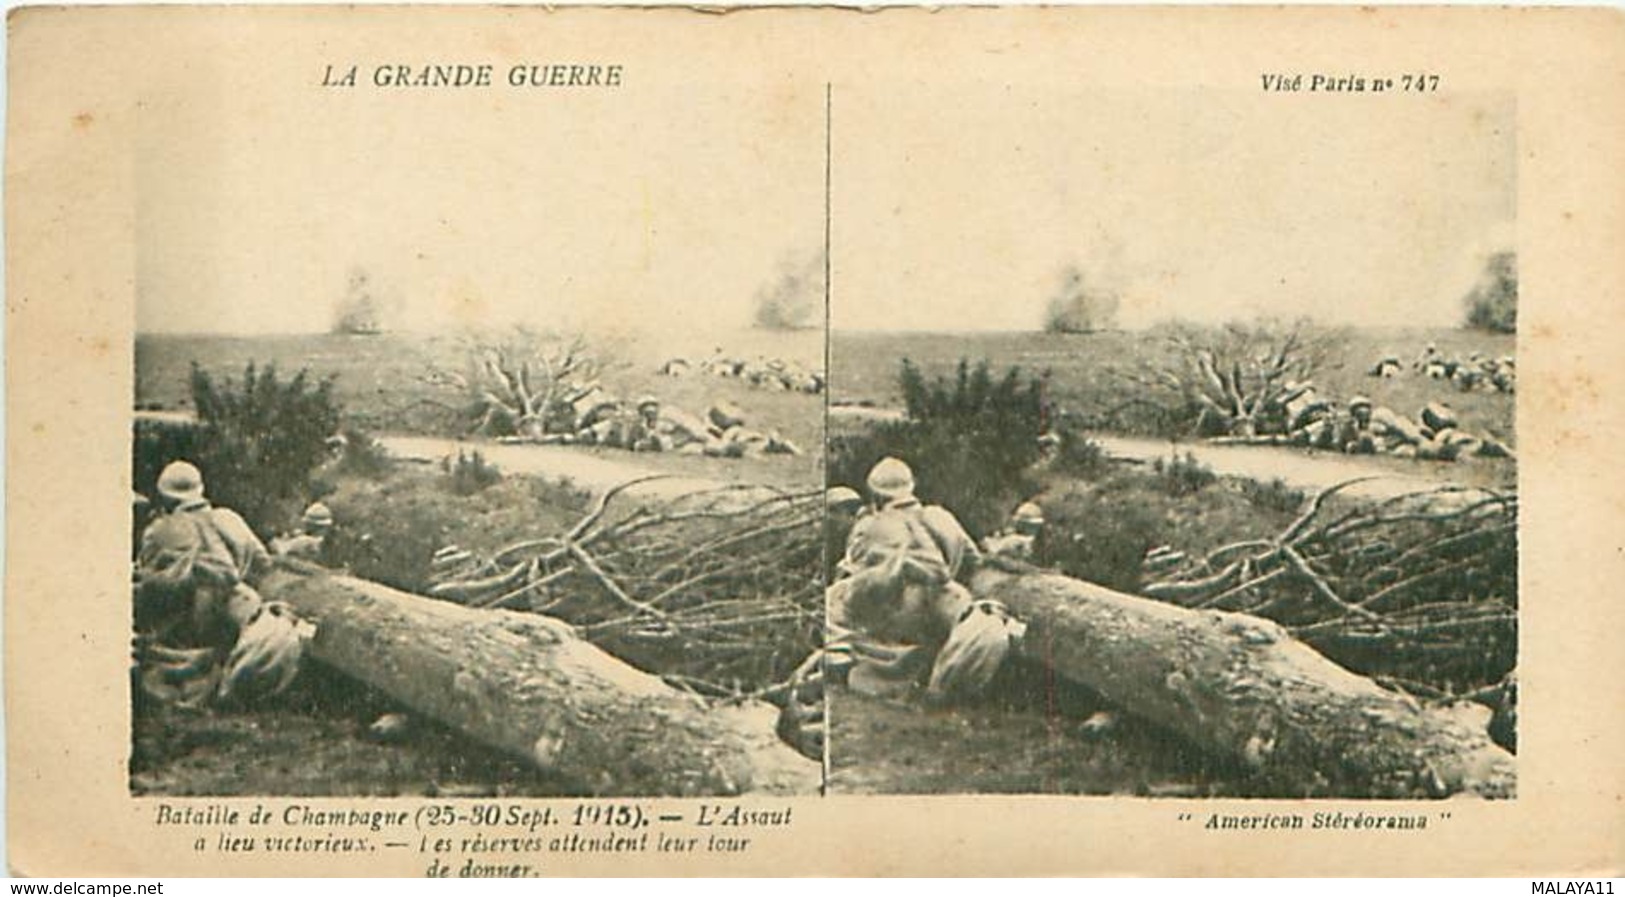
(891, 478)
(842, 498)
(181, 482)
(318, 515)
(1029, 512)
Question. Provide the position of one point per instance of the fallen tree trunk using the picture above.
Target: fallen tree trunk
(1241, 686)
(526, 684)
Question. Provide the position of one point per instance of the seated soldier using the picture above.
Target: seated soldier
(1387, 366)
(682, 431)
(1017, 539)
(728, 437)
(1446, 441)
(909, 617)
(1307, 413)
(203, 631)
(308, 544)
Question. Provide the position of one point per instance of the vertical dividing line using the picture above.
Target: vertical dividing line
(829, 720)
(829, 265)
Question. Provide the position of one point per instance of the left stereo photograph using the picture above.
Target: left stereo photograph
(454, 484)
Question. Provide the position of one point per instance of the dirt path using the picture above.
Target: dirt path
(1301, 469)
(1306, 470)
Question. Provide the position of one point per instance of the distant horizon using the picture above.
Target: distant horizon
(879, 331)
(951, 207)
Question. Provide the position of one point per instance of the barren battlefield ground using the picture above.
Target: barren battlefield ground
(380, 380)
(1031, 740)
(864, 366)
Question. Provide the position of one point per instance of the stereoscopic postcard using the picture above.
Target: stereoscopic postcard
(522, 442)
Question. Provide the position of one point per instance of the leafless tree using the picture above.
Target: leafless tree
(1236, 374)
(513, 380)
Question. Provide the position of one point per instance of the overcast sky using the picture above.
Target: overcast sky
(661, 206)
(956, 205)
(959, 206)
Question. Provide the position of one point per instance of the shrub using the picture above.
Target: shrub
(363, 455)
(470, 473)
(388, 530)
(258, 442)
(1081, 457)
(1274, 495)
(970, 439)
(1101, 536)
(1101, 531)
(1182, 476)
(1492, 303)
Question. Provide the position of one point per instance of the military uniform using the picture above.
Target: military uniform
(203, 631)
(909, 618)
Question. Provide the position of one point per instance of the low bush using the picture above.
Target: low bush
(1274, 495)
(1100, 536)
(363, 456)
(388, 530)
(970, 439)
(469, 473)
(1180, 476)
(1080, 457)
(1101, 531)
(257, 441)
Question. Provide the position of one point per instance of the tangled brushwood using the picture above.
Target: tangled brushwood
(1419, 591)
(715, 590)
(1224, 381)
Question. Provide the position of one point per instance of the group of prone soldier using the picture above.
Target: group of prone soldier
(763, 373)
(204, 634)
(1303, 417)
(1477, 371)
(647, 425)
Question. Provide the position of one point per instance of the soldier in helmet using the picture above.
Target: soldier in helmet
(310, 542)
(910, 618)
(203, 631)
(1016, 541)
(646, 435)
(1372, 429)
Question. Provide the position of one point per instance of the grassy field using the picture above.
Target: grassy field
(312, 740)
(864, 367)
(380, 381)
(1030, 740)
